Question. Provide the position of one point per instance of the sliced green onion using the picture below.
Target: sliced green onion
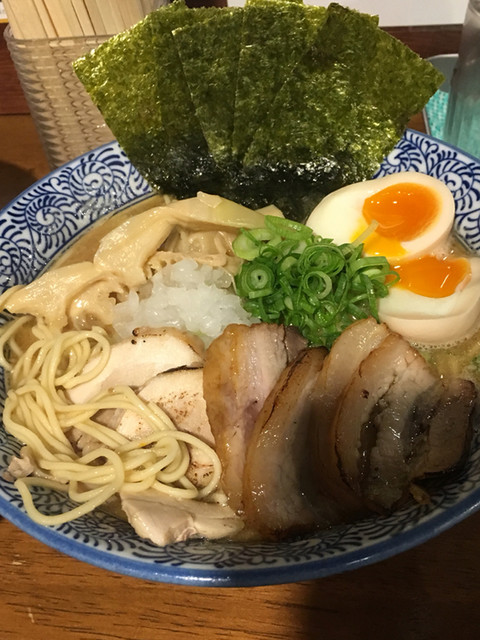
(287, 228)
(291, 276)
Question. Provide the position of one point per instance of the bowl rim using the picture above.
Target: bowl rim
(263, 576)
(255, 575)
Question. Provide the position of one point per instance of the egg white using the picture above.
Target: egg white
(434, 321)
(339, 215)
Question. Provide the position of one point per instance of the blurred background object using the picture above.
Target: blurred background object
(462, 125)
(436, 109)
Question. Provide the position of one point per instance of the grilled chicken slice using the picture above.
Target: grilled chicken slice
(165, 520)
(280, 481)
(132, 362)
(180, 394)
(241, 368)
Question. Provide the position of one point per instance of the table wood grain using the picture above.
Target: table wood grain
(430, 592)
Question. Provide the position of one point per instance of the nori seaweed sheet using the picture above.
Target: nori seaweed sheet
(275, 35)
(125, 93)
(137, 82)
(342, 109)
(209, 54)
(183, 164)
(339, 110)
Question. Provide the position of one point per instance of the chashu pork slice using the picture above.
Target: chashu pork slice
(342, 363)
(445, 439)
(241, 368)
(281, 474)
(385, 419)
(366, 399)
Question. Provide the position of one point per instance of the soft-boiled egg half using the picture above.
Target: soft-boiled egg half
(402, 215)
(408, 218)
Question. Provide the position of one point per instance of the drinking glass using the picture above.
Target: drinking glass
(462, 124)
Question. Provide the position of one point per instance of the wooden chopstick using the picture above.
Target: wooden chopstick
(96, 17)
(24, 19)
(131, 12)
(83, 17)
(147, 6)
(111, 16)
(64, 18)
(31, 19)
(12, 20)
(44, 16)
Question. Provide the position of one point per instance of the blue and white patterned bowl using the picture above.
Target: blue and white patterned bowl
(53, 212)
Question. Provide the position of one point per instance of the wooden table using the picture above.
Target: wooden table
(428, 593)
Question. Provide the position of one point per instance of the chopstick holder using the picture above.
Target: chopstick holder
(44, 38)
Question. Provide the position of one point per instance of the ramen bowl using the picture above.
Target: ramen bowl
(48, 217)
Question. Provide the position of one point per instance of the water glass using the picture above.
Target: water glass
(462, 125)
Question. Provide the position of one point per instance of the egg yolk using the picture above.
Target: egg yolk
(433, 277)
(402, 211)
